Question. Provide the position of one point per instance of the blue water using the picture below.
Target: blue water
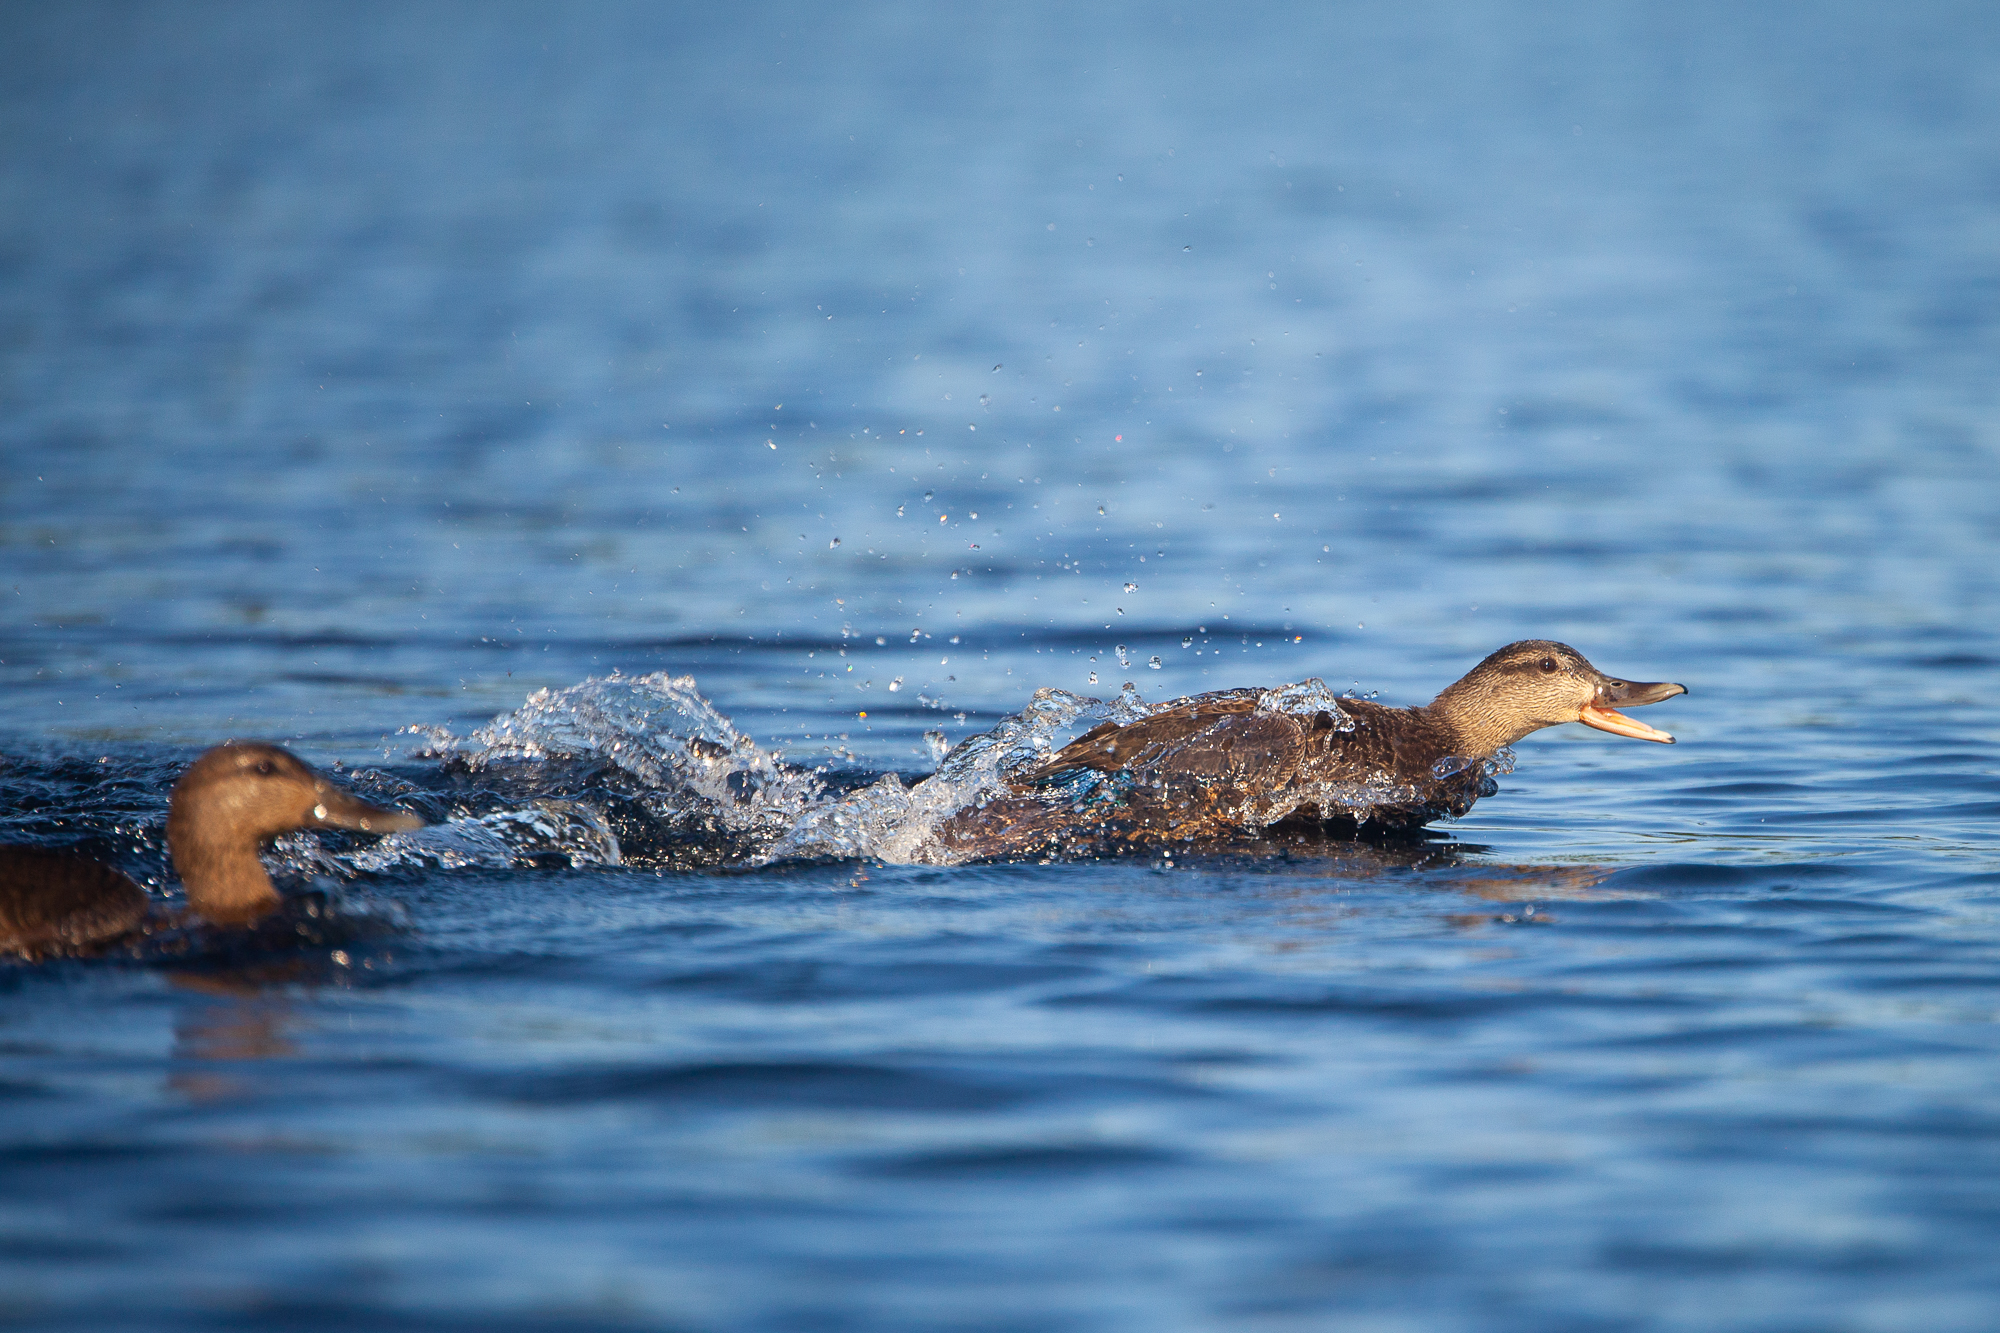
(373, 367)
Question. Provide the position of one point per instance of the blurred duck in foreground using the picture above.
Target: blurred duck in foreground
(230, 801)
(1240, 760)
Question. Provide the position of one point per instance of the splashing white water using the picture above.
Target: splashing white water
(499, 841)
(1307, 697)
(890, 822)
(689, 760)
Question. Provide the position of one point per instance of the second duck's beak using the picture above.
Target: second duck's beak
(336, 808)
(1602, 712)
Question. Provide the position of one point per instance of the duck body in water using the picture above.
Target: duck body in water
(1236, 761)
(229, 802)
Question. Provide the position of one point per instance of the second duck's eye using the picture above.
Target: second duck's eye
(1548, 664)
(265, 767)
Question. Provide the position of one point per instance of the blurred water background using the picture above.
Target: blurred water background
(375, 366)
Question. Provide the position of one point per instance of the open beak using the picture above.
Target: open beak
(1602, 712)
(338, 808)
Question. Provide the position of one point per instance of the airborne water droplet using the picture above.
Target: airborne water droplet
(835, 542)
(1123, 660)
(1187, 642)
(895, 684)
(929, 494)
(1131, 587)
(1093, 678)
(1100, 509)
(1154, 662)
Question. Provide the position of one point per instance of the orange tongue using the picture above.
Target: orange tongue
(1611, 720)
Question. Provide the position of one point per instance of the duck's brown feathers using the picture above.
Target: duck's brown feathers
(55, 902)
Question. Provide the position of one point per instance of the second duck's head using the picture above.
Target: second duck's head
(237, 796)
(256, 791)
(1539, 683)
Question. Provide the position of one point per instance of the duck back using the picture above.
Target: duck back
(54, 902)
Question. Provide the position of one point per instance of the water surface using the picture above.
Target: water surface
(374, 369)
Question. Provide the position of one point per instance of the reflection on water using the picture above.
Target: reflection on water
(247, 1021)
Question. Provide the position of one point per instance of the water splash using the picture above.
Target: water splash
(534, 834)
(1499, 766)
(1128, 706)
(890, 822)
(1303, 699)
(689, 764)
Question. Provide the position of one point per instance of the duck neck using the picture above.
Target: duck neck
(1476, 730)
(224, 879)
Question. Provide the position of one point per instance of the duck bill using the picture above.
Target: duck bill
(343, 809)
(1615, 722)
(1603, 714)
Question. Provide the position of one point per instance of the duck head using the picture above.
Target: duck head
(239, 795)
(1540, 683)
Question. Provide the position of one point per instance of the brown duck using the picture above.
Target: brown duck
(1240, 760)
(231, 800)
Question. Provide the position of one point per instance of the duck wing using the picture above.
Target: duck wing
(1183, 774)
(1210, 734)
(1189, 771)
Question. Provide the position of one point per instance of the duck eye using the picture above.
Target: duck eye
(265, 767)
(1548, 664)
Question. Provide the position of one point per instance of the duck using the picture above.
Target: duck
(1241, 760)
(228, 802)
